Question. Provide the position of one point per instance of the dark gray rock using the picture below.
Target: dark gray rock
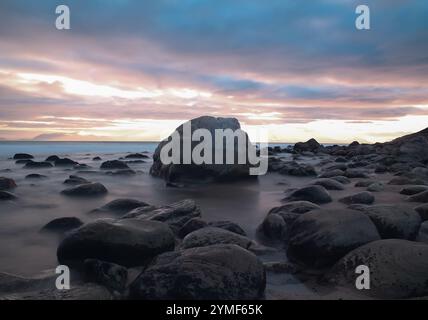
(273, 228)
(65, 163)
(228, 225)
(211, 236)
(315, 194)
(220, 272)
(318, 239)
(364, 183)
(52, 158)
(411, 190)
(137, 156)
(296, 207)
(22, 156)
(128, 242)
(365, 197)
(111, 275)
(342, 179)
(37, 165)
(86, 190)
(97, 159)
(332, 173)
(423, 211)
(114, 164)
(62, 225)
(398, 268)
(7, 183)
(6, 196)
(419, 197)
(394, 221)
(329, 184)
(176, 215)
(192, 225)
(355, 173)
(423, 233)
(311, 145)
(121, 206)
(35, 176)
(76, 180)
(202, 172)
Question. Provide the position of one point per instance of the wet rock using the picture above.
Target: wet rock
(273, 228)
(97, 159)
(176, 215)
(329, 184)
(62, 225)
(419, 197)
(220, 272)
(35, 176)
(376, 187)
(7, 183)
(398, 268)
(228, 225)
(211, 236)
(355, 173)
(114, 164)
(23, 161)
(400, 181)
(192, 225)
(52, 158)
(315, 194)
(362, 198)
(137, 156)
(76, 180)
(394, 221)
(6, 196)
(86, 190)
(295, 169)
(423, 211)
(411, 190)
(65, 163)
(363, 184)
(340, 166)
(296, 207)
(121, 206)
(318, 239)
(37, 165)
(81, 166)
(341, 159)
(423, 233)
(128, 242)
(22, 156)
(332, 173)
(110, 275)
(342, 179)
(205, 172)
(311, 145)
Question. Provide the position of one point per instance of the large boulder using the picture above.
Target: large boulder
(295, 207)
(211, 235)
(6, 196)
(311, 145)
(128, 242)
(419, 197)
(86, 190)
(228, 225)
(7, 184)
(315, 194)
(320, 238)
(394, 221)
(202, 172)
(37, 165)
(219, 272)
(65, 162)
(110, 275)
(273, 228)
(75, 180)
(412, 190)
(398, 269)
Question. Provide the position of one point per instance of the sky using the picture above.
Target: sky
(133, 70)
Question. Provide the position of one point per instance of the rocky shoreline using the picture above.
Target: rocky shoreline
(357, 204)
